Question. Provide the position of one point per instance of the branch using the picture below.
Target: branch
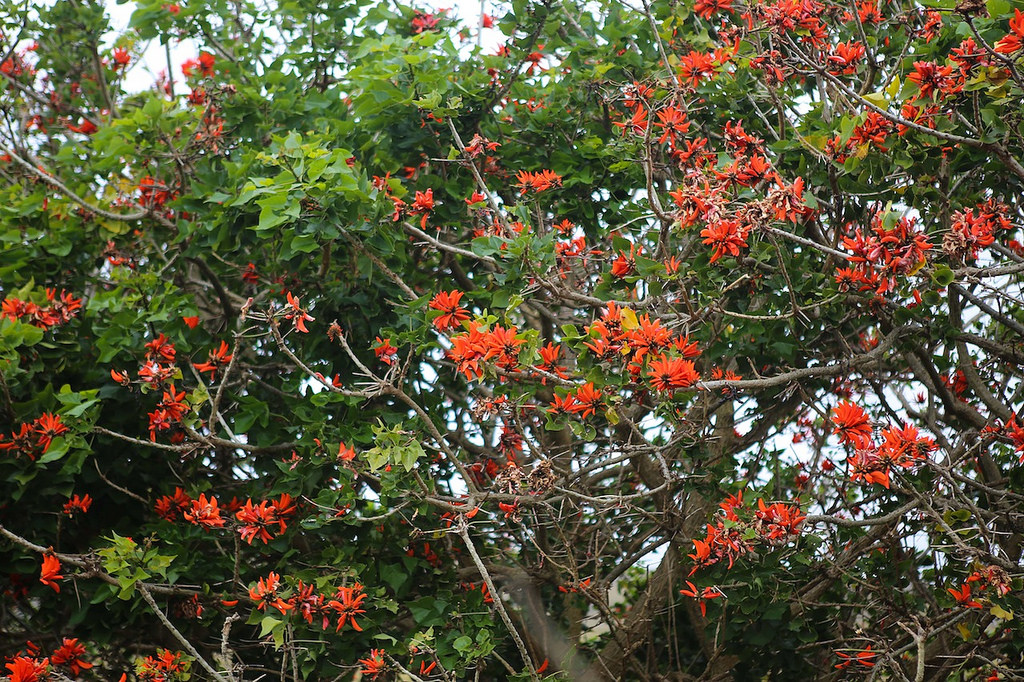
(463, 530)
(177, 635)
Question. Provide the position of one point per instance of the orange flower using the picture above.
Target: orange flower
(668, 374)
(448, 304)
(346, 603)
(851, 424)
(297, 312)
(374, 665)
(50, 573)
(588, 400)
(205, 513)
(216, 359)
(265, 594)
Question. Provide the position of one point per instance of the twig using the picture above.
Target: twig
(463, 529)
(144, 590)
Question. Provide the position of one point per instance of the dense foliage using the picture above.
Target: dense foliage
(585, 341)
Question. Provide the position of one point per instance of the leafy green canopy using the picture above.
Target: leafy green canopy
(665, 342)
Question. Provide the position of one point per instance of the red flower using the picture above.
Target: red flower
(86, 127)
(346, 603)
(537, 182)
(160, 349)
(864, 658)
(851, 424)
(70, 654)
(77, 503)
(702, 596)
(265, 594)
(503, 344)
(668, 374)
(217, 359)
(205, 513)
(963, 596)
(256, 520)
(169, 507)
(50, 573)
(346, 453)
(707, 8)
(121, 57)
(452, 312)
(26, 669)
(727, 237)
(374, 665)
(588, 400)
(47, 427)
(297, 312)
(423, 204)
(384, 351)
(1012, 42)
(206, 62)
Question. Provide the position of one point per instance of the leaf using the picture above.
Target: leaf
(268, 624)
(943, 276)
(1000, 612)
(629, 320)
(894, 87)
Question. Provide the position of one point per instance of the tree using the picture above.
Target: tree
(672, 341)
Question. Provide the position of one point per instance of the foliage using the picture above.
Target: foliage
(590, 341)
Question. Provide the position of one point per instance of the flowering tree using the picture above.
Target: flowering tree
(583, 341)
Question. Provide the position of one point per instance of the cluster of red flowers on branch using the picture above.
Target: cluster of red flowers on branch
(166, 666)
(32, 439)
(27, 666)
(472, 347)
(891, 250)
(260, 521)
(344, 605)
(734, 535)
(973, 229)
(870, 462)
(56, 311)
(203, 64)
(623, 339)
(537, 182)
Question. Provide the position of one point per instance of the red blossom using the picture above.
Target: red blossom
(50, 572)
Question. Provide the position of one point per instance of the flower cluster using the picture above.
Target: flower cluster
(870, 462)
(57, 310)
(972, 230)
(32, 439)
(883, 255)
(341, 607)
(499, 345)
(166, 666)
(735, 534)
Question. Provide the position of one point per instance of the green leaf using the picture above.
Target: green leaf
(943, 276)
